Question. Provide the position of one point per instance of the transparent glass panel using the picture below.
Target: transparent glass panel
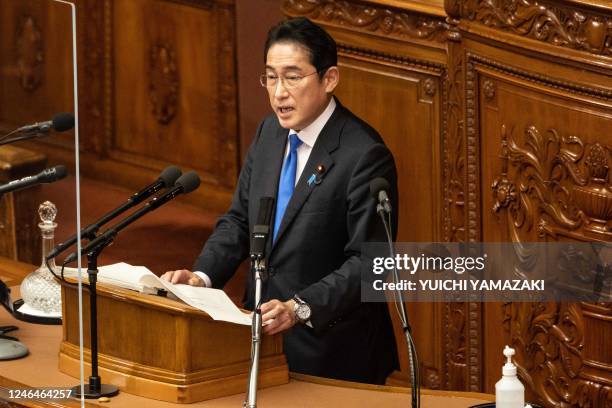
(39, 203)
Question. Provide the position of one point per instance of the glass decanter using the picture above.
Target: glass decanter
(39, 289)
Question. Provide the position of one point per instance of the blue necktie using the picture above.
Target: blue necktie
(287, 182)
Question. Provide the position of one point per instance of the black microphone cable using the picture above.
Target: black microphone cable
(377, 186)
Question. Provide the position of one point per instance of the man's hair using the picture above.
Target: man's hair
(320, 46)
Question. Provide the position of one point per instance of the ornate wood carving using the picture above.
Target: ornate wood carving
(421, 65)
(453, 145)
(556, 187)
(429, 86)
(550, 82)
(370, 18)
(474, 346)
(550, 343)
(488, 89)
(163, 82)
(453, 8)
(472, 156)
(30, 56)
(595, 198)
(227, 89)
(95, 98)
(558, 183)
(539, 20)
(455, 345)
(432, 378)
(463, 338)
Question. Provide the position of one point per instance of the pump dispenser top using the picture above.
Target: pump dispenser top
(509, 368)
(509, 391)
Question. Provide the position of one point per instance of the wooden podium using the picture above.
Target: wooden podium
(163, 349)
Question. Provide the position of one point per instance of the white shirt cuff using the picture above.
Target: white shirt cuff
(205, 278)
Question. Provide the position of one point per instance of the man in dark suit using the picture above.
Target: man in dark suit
(317, 159)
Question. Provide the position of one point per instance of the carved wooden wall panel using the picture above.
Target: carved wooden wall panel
(568, 25)
(167, 94)
(174, 93)
(33, 37)
(158, 90)
(413, 99)
(567, 129)
(545, 154)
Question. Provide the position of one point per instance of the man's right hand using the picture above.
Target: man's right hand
(183, 276)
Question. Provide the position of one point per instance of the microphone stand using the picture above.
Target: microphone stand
(20, 138)
(104, 239)
(258, 265)
(95, 388)
(91, 230)
(401, 310)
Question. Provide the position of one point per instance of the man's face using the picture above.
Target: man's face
(299, 106)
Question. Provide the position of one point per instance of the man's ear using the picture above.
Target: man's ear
(331, 78)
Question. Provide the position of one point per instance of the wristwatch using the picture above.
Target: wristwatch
(301, 309)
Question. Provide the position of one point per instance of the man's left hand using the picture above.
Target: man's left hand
(278, 316)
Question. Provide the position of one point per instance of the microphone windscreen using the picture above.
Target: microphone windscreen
(170, 175)
(62, 122)
(377, 185)
(189, 181)
(53, 174)
(266, 208)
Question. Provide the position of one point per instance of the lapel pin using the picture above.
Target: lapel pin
(320, 172)
(311, 179)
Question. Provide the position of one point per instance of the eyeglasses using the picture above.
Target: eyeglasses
(289, 81)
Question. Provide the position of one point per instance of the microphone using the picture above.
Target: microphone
(46, 176)
(378, 189)
(167, 178)
(61, 122)
(262, 227)
(185, 184)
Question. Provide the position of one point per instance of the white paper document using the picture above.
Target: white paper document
(215, 302)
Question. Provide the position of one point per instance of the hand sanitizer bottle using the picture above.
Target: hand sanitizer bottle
(509, 391)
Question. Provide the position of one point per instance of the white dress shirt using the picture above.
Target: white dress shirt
(308, 136)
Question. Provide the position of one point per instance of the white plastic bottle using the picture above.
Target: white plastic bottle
(509, 391)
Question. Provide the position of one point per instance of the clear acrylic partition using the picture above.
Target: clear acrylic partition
(38, 73)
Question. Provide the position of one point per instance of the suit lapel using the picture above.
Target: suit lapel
(326, 143)
(269, 164)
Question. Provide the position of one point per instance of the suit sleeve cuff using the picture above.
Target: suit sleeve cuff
(205, 278)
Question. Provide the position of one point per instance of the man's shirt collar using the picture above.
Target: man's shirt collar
(309, 134)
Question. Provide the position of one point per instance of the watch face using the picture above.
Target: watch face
(303, 312)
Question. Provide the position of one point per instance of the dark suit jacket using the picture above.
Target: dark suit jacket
(318, 247)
